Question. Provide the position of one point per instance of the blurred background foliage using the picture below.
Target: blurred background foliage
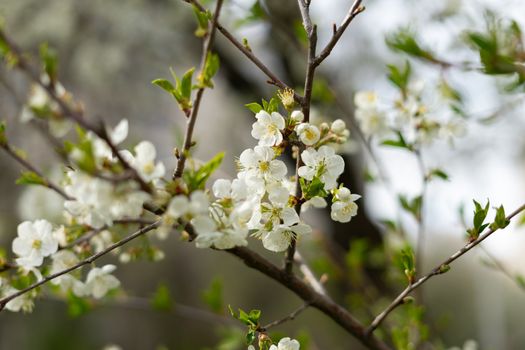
(110, 51)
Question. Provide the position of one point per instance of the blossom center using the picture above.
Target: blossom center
(37, 244)
(264, 166)
(149, 167)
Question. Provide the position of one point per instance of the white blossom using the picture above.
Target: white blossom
(183, 207)
(35, 241)
(99, 281)
(324, 164)
(144, 161)
(62, 260)
(267, 128)
(371, 120)
(98, 202)
(308, 134)
(344, 207)
(315, 202)
(338, 126)
(286, 344)
(259, 164)
(297, 116)
(23, 302)
(210, 234)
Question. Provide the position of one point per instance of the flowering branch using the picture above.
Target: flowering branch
(208, 42)
(74, 114)
(86, 261)
(438, 270)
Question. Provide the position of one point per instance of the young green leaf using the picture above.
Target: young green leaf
(500, 221)
(3, 136)
(31, 178)
(400, 77)
(213, 296)
(161, 300)
(254, 107)
(49, 61)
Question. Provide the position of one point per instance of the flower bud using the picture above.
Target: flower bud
(297, 116)
(338, 126)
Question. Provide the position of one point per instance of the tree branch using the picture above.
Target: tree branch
(86, 261)
(248, 53)
(439, 269)
(47, 183)
(338, 32)
(208, 42)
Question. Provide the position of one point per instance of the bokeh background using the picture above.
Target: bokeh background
(109, 53)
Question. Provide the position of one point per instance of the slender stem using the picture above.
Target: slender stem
(287, 318)
(86, 261)
(309, 275)
(48, 183)
(74, 114)
(420, 239)
(439, 269)
(207, 45)
(311, 31)
(355, 9)
(248, 53)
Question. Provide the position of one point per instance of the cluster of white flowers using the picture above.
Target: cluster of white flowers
(95, 202)
(261, 199)
(410, 114)
(40, 105)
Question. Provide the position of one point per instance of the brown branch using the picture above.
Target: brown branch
(274, 80)
(47, 183)
(287, 318)
(74, 114)
(352, 13)
(86, 261)
(206, 51)
(303, 290)
(439, 269)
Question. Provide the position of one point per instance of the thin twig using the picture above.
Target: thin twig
(355, 9)
(206, 51)
(439, 269)
(86, 261)
(248, 53)
(420, 239)
(309, 275)
(287, 318)
(47, 183)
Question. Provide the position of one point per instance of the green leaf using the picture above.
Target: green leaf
(400, 142)
(164, 84)
(202, 21)
(400, 77)
(213, 296)
(500, 221)
(161, 300)
(211, 66)
(254, 107)
(520, 280)
(413, 205)
(77, 306)
(273, 105)
(31, 178)
(49, 61)
(480, 213)
(404, 40)
(3, 136)
(314, 188)
(437, 173)
(196, 179)
(408, 263)
(185, 85)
